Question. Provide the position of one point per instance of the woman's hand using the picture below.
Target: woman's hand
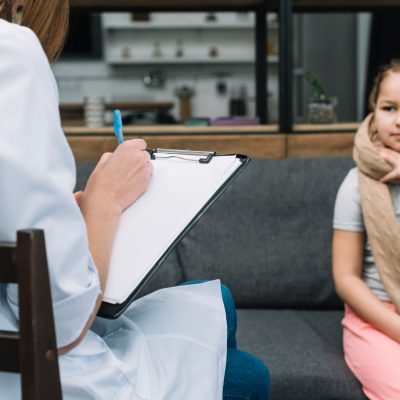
(393, 158)
(78, 196)
(347, 261)
(119, 178)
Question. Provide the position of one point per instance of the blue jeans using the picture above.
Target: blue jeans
(246, 377)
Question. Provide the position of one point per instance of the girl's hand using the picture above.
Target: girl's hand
(393, 158)
(119, 178)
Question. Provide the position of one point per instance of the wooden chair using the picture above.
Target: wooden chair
(32, 351)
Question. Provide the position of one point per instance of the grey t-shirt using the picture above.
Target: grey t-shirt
(348, 216)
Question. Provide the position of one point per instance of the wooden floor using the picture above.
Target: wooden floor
(255, 141)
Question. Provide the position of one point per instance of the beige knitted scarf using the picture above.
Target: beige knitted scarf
(378, 211)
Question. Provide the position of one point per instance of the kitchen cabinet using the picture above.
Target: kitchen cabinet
(258, 7)
(185, 38)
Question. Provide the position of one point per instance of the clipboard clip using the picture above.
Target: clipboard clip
(203, 157)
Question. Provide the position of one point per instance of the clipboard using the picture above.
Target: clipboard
(184, 185)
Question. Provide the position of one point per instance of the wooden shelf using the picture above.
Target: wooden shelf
(169, 5)
(273, 59)
(123, 105)
(89, 148)
(342, 127)
(319, 145)
(260, 141)
(303, 129)
(210, 26)
(149, 26)
(232, 5)
(174, 130)
(72, 114)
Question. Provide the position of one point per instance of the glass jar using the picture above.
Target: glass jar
(322, 111)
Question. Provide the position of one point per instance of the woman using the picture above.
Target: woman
(172, 344)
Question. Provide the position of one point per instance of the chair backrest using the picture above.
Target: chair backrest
(32, 351)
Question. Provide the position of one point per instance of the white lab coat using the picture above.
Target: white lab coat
(168, 345)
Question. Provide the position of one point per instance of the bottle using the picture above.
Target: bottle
(157, 53)
(237, 102)
(94, 107)
(179, 49)
(213, 52)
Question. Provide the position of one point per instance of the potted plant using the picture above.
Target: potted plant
(321, 109)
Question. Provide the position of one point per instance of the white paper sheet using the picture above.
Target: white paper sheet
(178, 190)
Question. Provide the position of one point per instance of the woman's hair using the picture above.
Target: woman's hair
(5, 9)
(394, 66)
(47, 18)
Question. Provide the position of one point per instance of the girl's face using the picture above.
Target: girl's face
(387, 111)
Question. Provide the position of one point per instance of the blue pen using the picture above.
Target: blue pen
(118, 126)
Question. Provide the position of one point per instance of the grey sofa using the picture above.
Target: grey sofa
(269, 239)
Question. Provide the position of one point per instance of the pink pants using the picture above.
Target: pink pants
(373, 357)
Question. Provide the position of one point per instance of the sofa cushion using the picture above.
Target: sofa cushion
(269, 235)
(303, 351)
(83, 172)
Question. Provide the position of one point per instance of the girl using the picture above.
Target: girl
(366, 251)
(171, 344)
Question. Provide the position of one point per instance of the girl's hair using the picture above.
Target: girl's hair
(47, 18)
(394, 66)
